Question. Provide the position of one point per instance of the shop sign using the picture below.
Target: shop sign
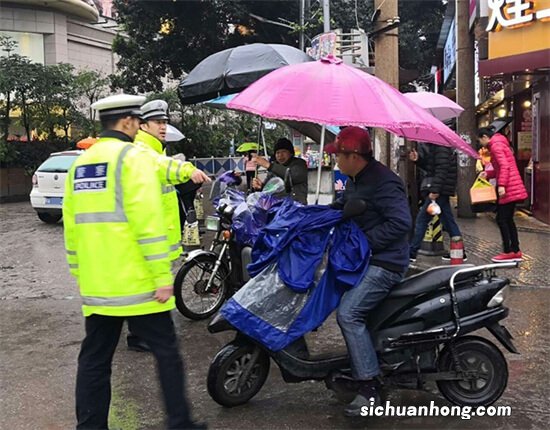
(513, 13)
(449, 53)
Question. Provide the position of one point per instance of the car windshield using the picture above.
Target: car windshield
(58, 163)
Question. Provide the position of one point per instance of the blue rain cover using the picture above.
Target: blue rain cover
(288, 297)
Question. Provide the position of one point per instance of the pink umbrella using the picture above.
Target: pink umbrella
(330, 92)
(437, 104)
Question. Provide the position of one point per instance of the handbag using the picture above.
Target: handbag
(482, 192)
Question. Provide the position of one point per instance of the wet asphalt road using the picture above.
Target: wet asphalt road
(41, 328)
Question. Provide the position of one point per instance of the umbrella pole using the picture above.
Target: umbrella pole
(318, 187)
(261, 137)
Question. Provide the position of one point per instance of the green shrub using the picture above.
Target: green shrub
(28, 155)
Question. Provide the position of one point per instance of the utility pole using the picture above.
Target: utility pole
(326, 16)
(466, 123)
(302, 21)
(386, 63)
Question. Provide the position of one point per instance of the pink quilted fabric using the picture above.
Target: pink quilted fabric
(505, 170)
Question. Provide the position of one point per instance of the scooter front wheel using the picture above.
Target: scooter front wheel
(484, 368)
(194, 298)
(237, 373)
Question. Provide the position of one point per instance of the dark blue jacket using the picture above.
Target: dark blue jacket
(387, 220)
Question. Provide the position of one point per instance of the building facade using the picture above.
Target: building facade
(62, 31)
(514, 74)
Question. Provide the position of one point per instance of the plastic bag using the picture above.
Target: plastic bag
(268, 298)
(433, 208)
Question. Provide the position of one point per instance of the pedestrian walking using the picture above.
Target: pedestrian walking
(510, 191)
(386, 223)
(118, 250)
(438, 184)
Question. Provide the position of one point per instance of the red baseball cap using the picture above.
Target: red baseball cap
(351, 140)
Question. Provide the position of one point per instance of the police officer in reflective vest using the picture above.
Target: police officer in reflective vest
(150, 138)
(118, 249)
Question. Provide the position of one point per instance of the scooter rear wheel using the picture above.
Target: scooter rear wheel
(487, 368)
(225, 383)
(192, 299)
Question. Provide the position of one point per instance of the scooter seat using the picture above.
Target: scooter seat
(426, 281)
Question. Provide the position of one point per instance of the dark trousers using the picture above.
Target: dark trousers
(249, 176)
(507, 226)
(423, 219)
(93, 380)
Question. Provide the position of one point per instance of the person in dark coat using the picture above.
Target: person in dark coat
(386, 223)
(440, 172)
(289, 168)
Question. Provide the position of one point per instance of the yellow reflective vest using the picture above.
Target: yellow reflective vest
(170, 171)
(115, 233)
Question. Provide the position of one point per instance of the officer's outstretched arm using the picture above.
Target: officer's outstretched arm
(173, 171)
(69, 225)
(144, 210)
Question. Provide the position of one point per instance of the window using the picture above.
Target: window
(58, 163)
(29, 45)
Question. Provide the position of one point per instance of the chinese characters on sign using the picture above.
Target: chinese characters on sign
(513, 13)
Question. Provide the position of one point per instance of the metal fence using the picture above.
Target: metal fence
(215, 166)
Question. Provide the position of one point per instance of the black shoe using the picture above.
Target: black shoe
(412, 258)
(447, 257)
(367, 396)
(354, 408)
(137, 344)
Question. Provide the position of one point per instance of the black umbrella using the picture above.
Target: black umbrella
(499, 124)
(232, 70)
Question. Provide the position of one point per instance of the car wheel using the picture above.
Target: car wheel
(48, 217)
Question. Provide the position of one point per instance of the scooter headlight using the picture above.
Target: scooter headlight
(212, 223)
(498, 298)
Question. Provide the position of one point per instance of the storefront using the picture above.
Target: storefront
(516, 83)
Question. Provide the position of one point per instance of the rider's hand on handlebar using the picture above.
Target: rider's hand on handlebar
(199, 177)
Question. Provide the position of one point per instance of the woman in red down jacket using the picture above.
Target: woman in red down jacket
(510, 191)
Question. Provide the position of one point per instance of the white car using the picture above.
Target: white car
(48, 185)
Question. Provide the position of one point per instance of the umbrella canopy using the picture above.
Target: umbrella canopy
(330, 92)
(438, 105)
(309, 129)
(248, 146)
(173, 134)
(232, 70)
(500, 124)
(86, 142)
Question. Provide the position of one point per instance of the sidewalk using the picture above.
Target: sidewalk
(482, 241)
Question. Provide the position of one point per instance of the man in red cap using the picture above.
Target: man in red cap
(386, 222)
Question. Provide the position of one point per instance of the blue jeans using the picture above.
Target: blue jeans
(352, 313)
(423, 219)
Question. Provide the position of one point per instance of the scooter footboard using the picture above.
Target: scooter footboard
(303, 369)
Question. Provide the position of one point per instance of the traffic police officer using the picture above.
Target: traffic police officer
(118, 250)
(150, 138)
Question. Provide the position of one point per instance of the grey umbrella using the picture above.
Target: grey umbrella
(234, 69)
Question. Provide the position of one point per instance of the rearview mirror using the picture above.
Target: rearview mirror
(353, 208)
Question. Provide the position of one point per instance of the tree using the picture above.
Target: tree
(6, 83)
(17, 76)
(90, 87)
(177, 35)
